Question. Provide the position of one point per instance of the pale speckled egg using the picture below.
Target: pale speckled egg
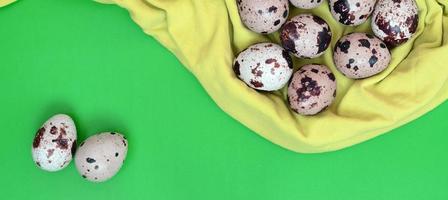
(54, 143)
(306, 4)
(264, 66)
(263, 16)
(305, 36)
(351, 12)
(395, 21)
(312, 89)
(360, 55)
(101, 156)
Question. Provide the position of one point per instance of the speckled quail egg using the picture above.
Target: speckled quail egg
(263, 16)
(351, 12)
(395, 21)
(101, 156)
(360, 55)
(305, 36)
(312, 89)
(264, 66)
(54, 143)
(306, 4)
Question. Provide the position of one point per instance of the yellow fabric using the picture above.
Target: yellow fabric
(205, 35)
(5, 2)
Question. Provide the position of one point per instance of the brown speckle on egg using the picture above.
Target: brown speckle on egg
(263, 66)
(310, 92)
(53, 130)
(61, 142)
(395, 21)
(331, 76)
(360, 55)
(96, 155)
(263, 16)
(288, 35)
(38, 137)
(62, 130)
(256, 84)
(351, 12)
(50, 145)
(305, 36)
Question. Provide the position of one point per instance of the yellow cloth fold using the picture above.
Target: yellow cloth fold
(206, 35)
(5, 2)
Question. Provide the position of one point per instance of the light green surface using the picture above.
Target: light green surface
(92, 62)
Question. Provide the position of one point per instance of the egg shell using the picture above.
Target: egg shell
(312, 89)
(306, 4)
(54, 143)
(395, 21)
(263, 16)
(264, 66)
(305, 36)
(101, 156)
(361, 55)
(351, 12)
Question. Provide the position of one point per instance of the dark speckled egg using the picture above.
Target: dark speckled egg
(395, 21)
(312, 89)
(305, 36)
(263, 16)
(360, 55)
(351, 12)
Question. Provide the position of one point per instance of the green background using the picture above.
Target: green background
(92, 62)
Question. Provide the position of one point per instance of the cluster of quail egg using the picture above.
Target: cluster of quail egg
(311, 89)
(97, 159)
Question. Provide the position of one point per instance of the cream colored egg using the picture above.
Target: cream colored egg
(101, 156)
(263, 16)
(361, 55)
(264, 66)
(351, 12)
